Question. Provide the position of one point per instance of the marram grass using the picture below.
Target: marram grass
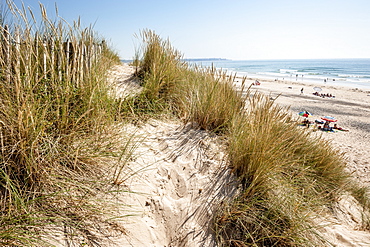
(54, 106)
(287, 177)
(202, 95)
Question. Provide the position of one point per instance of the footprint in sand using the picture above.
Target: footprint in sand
(178, 183)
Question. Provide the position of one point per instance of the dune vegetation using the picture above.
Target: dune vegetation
(54, 109)
(288, 178)
(56, 113)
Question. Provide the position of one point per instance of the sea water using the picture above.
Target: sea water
(353, 73)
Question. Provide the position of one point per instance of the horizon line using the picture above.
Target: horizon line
(263, 59)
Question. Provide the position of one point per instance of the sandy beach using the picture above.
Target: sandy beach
(179, 174)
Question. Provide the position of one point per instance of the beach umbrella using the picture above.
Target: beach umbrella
(317, 89)
(305, 114)
(329, 119)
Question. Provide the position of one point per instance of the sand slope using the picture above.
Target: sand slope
(181, 178)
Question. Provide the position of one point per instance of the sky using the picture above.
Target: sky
(232, 29)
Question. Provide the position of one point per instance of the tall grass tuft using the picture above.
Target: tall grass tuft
(53, 95)
(160, 66)
(264, 141)
(287, 177)
(207, 97)
(204, 96)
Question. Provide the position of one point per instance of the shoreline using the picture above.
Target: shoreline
(350, 73)
(306, 82)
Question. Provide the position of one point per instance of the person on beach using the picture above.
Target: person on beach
(306, 123)
(302, 90)
(339, 128)
(326, 127)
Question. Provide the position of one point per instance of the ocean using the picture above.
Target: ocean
(352, 73)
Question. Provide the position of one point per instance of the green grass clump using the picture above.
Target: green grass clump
(287, 179)
(200, 95)
(207, 97)
(161, 66)
(265, 142)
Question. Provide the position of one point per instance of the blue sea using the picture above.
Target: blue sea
(353, 73)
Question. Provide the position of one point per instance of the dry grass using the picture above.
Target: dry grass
(201, 95)
(160, 66)
(54, 109)
(207, 97)
(287, 178)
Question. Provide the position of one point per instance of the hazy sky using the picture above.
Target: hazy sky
(233, 29)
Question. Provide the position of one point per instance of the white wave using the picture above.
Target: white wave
(353, 76)
(288, 71)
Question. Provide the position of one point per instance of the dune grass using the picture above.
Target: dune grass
(207, 97)
(202, 95)
(287, 177)
(160, 66)
(54, 109)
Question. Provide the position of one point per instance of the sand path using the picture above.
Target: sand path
(178, 177)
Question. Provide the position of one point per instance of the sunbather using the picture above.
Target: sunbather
(339, 128)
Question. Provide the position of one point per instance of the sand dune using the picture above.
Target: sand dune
(180, 174)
